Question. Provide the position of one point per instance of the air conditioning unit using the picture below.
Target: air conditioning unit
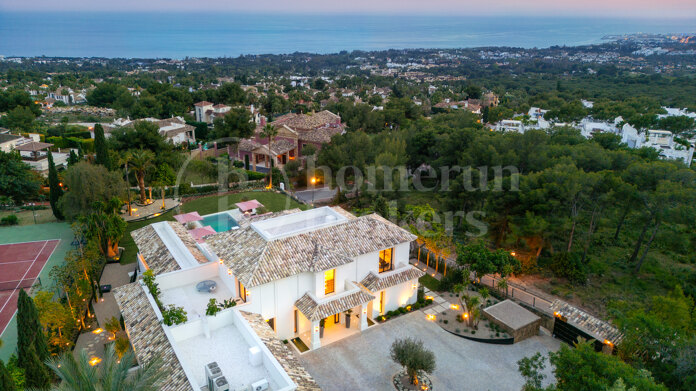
(221, 384)
(260, 385)
(212, 372)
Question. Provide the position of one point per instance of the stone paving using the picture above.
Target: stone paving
(362, 362)
(155, 207)
(115, 275)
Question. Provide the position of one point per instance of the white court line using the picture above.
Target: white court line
(25, 274)
(29, 241)
(8, 263)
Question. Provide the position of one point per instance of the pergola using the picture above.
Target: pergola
(34, 147)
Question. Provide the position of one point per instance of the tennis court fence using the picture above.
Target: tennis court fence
(26, 283)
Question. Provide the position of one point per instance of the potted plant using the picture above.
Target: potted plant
(321, 328)
(350, 311)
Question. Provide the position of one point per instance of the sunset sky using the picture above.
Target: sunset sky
(595, 8)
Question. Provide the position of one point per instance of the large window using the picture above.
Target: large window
(329, 281)
(386, 258)
(242, 291)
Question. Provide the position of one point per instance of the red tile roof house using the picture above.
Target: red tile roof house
(295, 131)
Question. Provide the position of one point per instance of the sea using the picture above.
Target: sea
(180, 35)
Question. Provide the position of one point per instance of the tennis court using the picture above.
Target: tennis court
(20, 266)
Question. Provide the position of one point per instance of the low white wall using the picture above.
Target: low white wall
(183, 277)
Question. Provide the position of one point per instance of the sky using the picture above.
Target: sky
(593, 8)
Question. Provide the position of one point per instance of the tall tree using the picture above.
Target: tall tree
(17, 180)
(86, 184)
(31, 343)
(55, 191)
(141, 161)
(270, 132)
(102, 151)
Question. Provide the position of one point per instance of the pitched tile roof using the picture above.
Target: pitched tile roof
(255, 261)
(376, 283)
(595, 327)
(147, 336)
(154, 251)
(307, 121)
(280, 351)
(315, 309)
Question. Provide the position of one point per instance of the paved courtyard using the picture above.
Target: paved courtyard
(361, 362)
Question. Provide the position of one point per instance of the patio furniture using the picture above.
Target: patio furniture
(206, 286)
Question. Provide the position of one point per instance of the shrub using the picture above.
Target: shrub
(212, 308)
(9, 220)
(238, 164)
(569, 265)
(445, 321)
(174, 315)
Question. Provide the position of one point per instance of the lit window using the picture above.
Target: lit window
(329, 281)
(385, 260)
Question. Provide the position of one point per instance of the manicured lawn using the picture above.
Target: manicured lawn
(207, 205)
(430, 282)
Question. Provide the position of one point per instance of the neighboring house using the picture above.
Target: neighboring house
(35, 154)
(663, 141)
(295, 131)
(9, 141)
(318, 275)
(207, 111)
(175, 130)
(509, 125)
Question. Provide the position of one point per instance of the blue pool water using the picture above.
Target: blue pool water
(220, 222)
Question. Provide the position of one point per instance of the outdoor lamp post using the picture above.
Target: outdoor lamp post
(314, 182)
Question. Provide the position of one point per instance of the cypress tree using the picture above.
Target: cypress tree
(54, 186)
(6, 381)
(100, 147)
(30, 336)
(72, 159)
(35, 371)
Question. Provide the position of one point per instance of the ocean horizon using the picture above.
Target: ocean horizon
(180, 35)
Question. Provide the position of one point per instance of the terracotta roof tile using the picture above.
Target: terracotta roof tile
(147, 336)
(285, 357)
(154, 251)
(255, 261)
(316, 309)
(376, 283)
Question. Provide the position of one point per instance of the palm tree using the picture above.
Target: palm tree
(503, 285)
(141, 160)
(122, 161)
(111, 374)
(270, 132)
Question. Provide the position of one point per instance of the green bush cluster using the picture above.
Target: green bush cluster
(87, 145)
(9, 220)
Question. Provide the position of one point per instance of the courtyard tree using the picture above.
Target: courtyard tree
(104, 226)
(57, 321)
(410, 354)
(112, 373)
(164, 176)
(141, 161)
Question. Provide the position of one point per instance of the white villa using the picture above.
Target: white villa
(312, 277)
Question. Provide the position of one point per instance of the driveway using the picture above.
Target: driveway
(362, 362)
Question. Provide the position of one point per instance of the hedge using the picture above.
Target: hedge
(72, 142)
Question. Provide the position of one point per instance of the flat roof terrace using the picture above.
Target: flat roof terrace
(228, 348)
(297, 223)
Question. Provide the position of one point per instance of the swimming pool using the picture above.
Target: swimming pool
(220, 222)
